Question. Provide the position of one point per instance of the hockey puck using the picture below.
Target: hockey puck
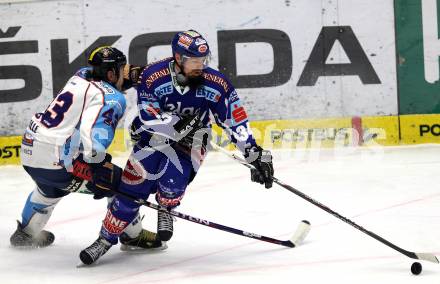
(416, 268)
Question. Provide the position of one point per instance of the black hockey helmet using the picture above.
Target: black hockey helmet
(104, 59)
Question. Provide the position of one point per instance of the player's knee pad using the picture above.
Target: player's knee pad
(124, 205)
(134, 173)
(37, 211)
(169, 193)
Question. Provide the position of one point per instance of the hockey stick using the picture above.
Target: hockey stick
(422, 256)
(300, 233)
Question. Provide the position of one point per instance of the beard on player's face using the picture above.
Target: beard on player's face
(195, 78)
(194, 73)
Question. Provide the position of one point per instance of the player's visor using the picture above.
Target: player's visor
(196, 62)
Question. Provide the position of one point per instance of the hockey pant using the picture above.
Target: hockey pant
(50, 188)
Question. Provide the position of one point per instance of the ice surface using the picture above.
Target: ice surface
(393, 192)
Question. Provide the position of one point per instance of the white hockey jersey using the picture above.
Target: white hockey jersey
(82, 117)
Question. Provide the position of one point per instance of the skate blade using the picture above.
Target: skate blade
(82, 265)
(27, 247)
(136, 249)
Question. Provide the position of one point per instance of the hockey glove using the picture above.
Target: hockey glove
(135, 137)
(187, 127)
(131, 76)
(103, 178)
(262, 161)
(106, 180)
(187, 123)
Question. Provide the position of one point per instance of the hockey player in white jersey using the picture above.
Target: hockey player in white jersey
(71, 135)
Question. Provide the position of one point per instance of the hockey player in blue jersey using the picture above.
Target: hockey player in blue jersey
(176, 97)
(72, 135)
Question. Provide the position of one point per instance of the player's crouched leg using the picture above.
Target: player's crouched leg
(120, 214)
(36, 213)
(169, 194)
(135, 183)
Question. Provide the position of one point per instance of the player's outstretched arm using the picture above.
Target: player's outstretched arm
(232, 117)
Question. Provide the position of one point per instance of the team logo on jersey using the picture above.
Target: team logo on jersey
(200, 41)
(238, 113)
(208, 93)
(134, 173)
(28, 139)
(203, 48)
(164, 89)
(152, 109)
(185, 41)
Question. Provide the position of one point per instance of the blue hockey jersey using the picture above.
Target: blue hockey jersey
(159, 92)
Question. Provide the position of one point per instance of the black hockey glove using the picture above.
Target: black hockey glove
(187, 123)
(131, 76)
(103, 178)
(106, 180)
(135, 137)
(262, 161)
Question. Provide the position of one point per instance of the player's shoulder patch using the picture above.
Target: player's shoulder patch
(84, 73)
(79, 80)
(217, 78)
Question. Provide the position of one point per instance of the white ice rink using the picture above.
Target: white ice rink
(395, 194)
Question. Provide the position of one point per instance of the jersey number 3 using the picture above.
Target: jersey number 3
(54, 114)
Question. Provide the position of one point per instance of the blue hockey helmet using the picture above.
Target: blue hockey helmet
(190, 43)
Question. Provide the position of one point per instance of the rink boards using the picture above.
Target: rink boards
(301, 133)
(324, 77)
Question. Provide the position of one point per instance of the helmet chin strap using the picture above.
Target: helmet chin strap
(181, 78)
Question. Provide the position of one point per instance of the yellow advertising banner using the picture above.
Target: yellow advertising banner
(420, 128)
(300, 133)
(10, 150)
